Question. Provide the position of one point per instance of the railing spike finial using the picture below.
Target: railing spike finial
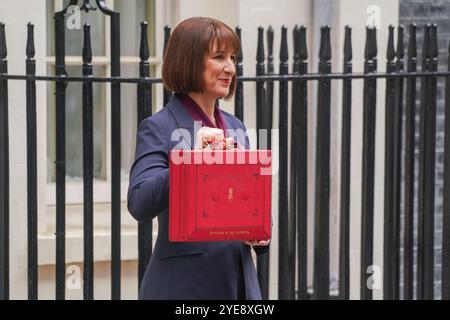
(325, 44)
(87, 6)
(87, 50)
(167, 93)
(412, 44)
(260, 56)
(284, 54)
(30, 51)
(400, 42)
(270, 67)
(374, 46)
(167, 31)
(296, 39)
(144, 53)
(371, 50)
(270, 44)
(426, 42)
(302, 43)
(296, 62)
(390, 54)
(239, 55)
(348, 54)
(434, 50)
(3, 50)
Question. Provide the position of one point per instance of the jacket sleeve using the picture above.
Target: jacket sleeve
(148, 191)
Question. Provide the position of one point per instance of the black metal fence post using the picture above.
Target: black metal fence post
(296, 114)
(31, 167)
(368, 159)
(260, 90)
(410, 111)
(239, 94)
(446, 208)
(167, 94)
(115, 150)
(430, 230)
(427, 153)
(397, 165)
(388, 250)
(60, 163)
(261, 127)
(144, 99)
(322, 194)
(4, 171)
(344, 232)
(302, 168)
(269, 84)
(424, 86)
(284, 250)
(88, 169)
(294, 160)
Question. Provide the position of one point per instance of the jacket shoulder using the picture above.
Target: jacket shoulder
(233, 120)
(156, 129)
(161, 119)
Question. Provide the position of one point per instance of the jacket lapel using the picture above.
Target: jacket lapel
(184, 121)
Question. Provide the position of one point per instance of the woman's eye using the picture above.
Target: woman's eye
(221, 57)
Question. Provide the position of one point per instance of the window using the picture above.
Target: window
(132, 13)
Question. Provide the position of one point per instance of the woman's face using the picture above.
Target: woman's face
(219, 71)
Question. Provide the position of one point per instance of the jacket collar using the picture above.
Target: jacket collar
(182, 116)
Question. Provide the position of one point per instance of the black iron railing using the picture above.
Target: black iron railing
(292, 197)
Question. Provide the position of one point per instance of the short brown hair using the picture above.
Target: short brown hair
(189, 43)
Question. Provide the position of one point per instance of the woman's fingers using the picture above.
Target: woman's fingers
(225, 144)
(207, 137)
(229, 143)
(213, 138)
(212, 134)
(262, 243)
(257, 242)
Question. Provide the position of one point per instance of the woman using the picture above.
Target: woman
(199, 66)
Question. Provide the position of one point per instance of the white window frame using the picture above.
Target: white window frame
(102, 188)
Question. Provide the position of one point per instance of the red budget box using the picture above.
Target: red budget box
(217, 195)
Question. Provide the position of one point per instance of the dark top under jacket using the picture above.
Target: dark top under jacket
(195, 270)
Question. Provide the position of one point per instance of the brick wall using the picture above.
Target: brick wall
(421, 12)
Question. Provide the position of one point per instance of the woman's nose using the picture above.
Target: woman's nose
(229, 66)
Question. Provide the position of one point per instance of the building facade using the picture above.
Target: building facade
(248, 14)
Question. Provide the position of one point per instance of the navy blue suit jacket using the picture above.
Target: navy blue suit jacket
(199, 270)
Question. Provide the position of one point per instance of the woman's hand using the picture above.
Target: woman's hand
(208, 137)
(213, 138)
(258, 243)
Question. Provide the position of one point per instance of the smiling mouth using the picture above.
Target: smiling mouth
(227, 81)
